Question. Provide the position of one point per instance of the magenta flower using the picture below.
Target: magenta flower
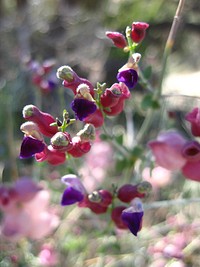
(118, 39)
(167, 150)
(129, 77)
(42, 119)
(30, 146)
(74, 192)
(191, 151)
(72, 80)
(191, 170)
(83, 108)
(138, 31)
(132, 216)
(194, 118)
(51, 155)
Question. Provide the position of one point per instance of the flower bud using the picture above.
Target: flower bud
(87, 133)
(128, 192)
(61, 141)
(118, 39)
(65, 73)
(138, 31)
(43, 120)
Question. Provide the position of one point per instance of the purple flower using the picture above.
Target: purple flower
(132, 216)
(75, 190)
(30, 146)
(83, 108)
(129, 77)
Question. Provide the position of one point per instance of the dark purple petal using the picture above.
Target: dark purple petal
(71, 196)
(132, 219)
(129, 77)
(30, 146)
(83, 108)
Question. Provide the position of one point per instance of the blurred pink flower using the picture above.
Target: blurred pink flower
(29, 216)
(96, 164)
(48, 256)
(167, 150)
(158, 177)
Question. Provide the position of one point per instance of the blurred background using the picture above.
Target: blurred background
(72, 32)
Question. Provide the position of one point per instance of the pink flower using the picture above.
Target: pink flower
(158, 177)
(167, 150)
(51, 155)
(194, 118)
(191, 152)
(118, 39)
(48, 256)
(138, 31)
(29, 217)
(43, 120)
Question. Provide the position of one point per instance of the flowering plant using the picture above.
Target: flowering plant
(145, 164)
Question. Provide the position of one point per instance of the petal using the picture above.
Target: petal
(132, 219)
(71, 196)
(191, 170)
(129, 77)
(30, 146)
(83, 108)
(73, 181)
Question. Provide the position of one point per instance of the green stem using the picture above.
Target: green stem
(168, 203)
(168, 47)
(169, 44)
(119, 147)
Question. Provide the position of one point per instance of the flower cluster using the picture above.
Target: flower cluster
(90, 106)
(100, 201)
(40, 124)
(174, 152)
(26, 211)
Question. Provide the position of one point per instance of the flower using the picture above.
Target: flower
(74, 192)
(116, 217)
(61, 141)
(138, 31)
(83, 108)
(128, 192)
(51, 155)
(167, 150)
(132, 216)
(30, 146)
(194, 118)
(30, 215)
(129, 77)
(72, 80)
(79, 147)
(98, 201)
(95, 118)
(119, 105)
(48, 255)
(118, 39)
(42, 119)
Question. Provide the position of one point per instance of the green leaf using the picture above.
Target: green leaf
(147, 72)
(149, 102)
